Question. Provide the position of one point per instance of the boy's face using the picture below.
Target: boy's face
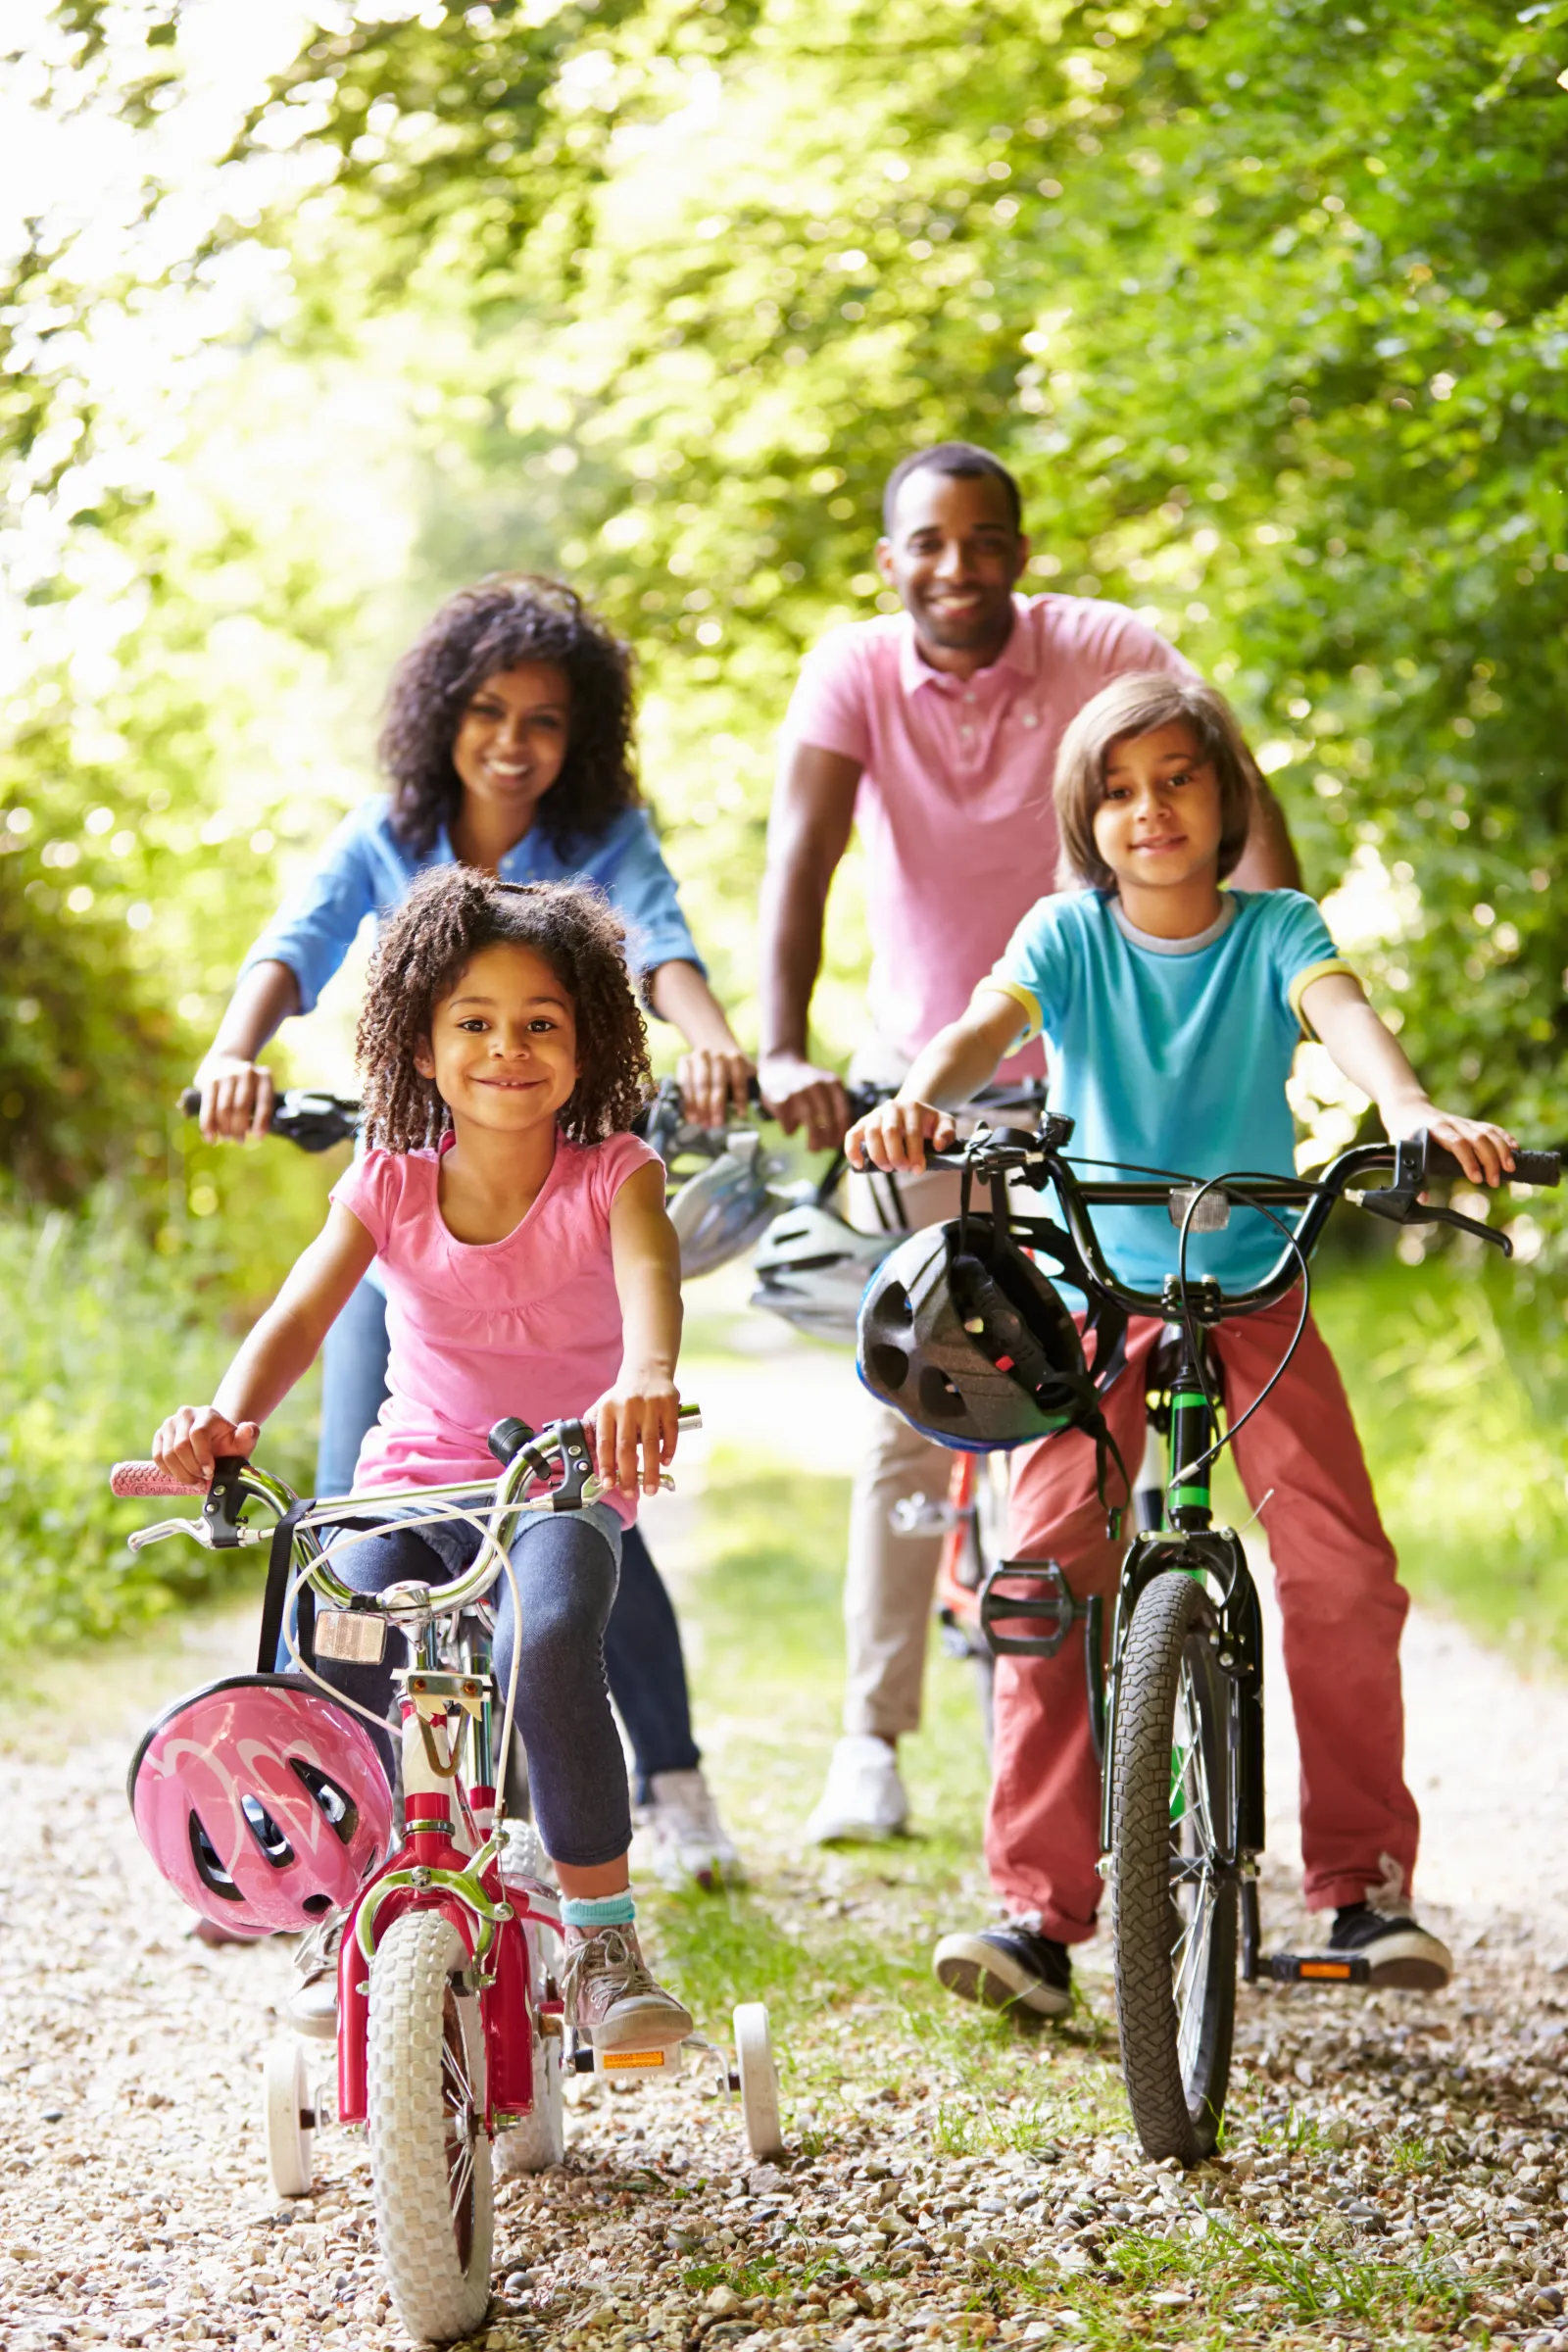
(1158, 823)
(503, 1043)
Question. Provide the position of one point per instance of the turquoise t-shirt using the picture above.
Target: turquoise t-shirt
(1173, 1054)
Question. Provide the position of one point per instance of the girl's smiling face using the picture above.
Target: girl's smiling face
(1159, 821)
(503, 1043)
(512, 739)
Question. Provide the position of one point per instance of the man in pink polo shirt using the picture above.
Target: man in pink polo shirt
(936, 730)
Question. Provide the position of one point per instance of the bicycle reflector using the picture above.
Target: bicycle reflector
(262, 1802)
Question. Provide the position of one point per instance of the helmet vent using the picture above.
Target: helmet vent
(890, 1364)
(209, 1866)
(267, 1833)
(339, 1812)
(939, 1397)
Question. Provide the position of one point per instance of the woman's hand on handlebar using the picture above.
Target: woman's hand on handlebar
(895, 1135)
(635, 1426)
(715, 1085)
(196, 1437)
(238, 1098)
(1483, 1149)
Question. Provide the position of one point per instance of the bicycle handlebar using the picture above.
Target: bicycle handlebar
(1415, 1162)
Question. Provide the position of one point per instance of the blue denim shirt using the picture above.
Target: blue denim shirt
(365, 869)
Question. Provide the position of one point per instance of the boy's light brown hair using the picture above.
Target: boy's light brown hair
(1136, 706)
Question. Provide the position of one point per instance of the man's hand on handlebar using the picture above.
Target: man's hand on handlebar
(714, 1086)
(895, 1135)
(634, 1427)
(797, 1094)
(236, 1099)
(196, 1437)
(1483, 1149)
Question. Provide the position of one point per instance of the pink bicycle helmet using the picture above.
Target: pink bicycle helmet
(262, 1802)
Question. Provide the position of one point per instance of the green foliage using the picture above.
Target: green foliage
(99, 1339)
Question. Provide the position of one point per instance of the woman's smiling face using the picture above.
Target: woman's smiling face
(513, 737)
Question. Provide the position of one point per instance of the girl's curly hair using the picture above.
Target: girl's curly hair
(446, 919)
(510, 618)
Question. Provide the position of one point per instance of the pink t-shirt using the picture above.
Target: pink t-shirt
(529, 1325)
(955, 803)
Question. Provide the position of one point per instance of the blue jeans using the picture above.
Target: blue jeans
(565, 1571)
(643, 1655)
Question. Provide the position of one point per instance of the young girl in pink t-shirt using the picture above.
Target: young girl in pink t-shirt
(530, 1269)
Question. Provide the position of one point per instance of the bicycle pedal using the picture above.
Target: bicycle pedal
(639, 2062)
(1317, 1968)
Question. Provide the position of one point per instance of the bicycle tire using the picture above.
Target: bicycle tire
(429, 2151)
(1175, 1926)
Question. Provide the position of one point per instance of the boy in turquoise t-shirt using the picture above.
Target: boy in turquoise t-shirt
(1172, 1010)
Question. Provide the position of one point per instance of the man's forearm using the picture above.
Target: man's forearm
(794, 908)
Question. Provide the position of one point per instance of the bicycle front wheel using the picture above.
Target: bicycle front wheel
(1175, 1906)
(429, 2152)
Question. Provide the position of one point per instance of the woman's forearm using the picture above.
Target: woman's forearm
(264, 999)
(679, 995)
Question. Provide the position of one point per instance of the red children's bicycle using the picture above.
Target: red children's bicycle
(262, 1799)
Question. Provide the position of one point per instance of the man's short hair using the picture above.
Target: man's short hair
(960, 457)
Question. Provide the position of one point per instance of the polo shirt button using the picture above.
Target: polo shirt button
(1029, 719)
(970, 698)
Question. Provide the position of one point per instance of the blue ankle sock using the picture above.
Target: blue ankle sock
(601, 1911)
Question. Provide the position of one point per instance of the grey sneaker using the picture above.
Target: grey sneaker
(690, 1843)
(312, 2007)
(1398, 1951)
(611, 1997)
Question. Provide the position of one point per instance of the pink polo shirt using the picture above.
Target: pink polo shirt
(955, 804)
(527, 1325)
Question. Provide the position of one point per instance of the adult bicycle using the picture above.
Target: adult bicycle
(451, 2028)
(1176, 1698)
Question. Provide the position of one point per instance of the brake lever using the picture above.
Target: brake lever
(1394, 1207)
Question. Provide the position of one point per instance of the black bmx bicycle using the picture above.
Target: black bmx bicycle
(1176, 1711)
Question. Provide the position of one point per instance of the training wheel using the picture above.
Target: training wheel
(290, 2117)
(754, 2053)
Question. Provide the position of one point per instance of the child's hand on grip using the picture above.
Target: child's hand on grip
(895, 1135)
(635, 1426)
(1483, 1149)
(192, 1440)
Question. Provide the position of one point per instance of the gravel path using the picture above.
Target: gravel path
(1399, 2170)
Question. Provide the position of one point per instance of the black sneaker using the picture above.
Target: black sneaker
(1007, 1968)
(1400, 1951)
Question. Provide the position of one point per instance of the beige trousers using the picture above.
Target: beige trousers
(890, 1580)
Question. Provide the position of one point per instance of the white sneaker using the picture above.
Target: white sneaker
(864, 1797)
(689, 1840)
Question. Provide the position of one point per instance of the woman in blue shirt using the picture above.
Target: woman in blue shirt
(509, 744)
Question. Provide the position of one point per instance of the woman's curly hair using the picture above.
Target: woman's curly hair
(513, 617)
(446, 919)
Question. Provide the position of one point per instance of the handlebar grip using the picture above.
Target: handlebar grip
(1537, 1168)
(127, 1479)
(191, 1101)
(507, 1438)
(1529, 1167)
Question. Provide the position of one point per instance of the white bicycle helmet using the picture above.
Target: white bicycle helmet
(812, 1269)
(720, 1210)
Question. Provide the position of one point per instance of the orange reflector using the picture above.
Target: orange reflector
(612, 2061)
(1337, 1970)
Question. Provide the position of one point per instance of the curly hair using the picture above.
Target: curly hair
(446, 919)
(508, 619)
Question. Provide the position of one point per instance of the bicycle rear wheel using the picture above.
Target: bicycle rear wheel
(1175, 1913)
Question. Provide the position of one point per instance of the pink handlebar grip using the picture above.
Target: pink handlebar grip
(145, 1478)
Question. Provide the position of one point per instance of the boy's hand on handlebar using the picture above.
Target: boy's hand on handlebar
(797, 1094)
(713, 1083)
(635, 1426)
(238, 1098)
(1483, 1149)
(895, 1135)
(192, 1440)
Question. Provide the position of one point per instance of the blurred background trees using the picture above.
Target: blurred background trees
(308, 316)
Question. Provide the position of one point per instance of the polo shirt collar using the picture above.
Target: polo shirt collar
(1017, 655)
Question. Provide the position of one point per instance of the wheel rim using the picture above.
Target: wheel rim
(461, 2125)
(1193, 1883)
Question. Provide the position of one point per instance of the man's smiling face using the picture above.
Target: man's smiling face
(953, 555)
